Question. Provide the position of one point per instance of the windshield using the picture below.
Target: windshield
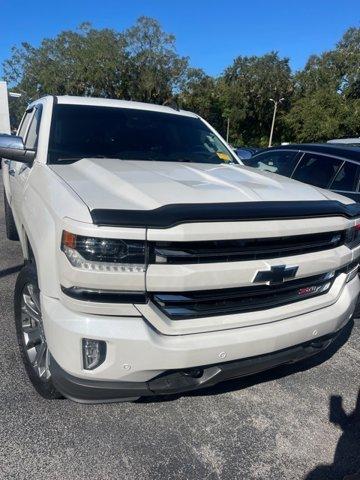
(79, 131)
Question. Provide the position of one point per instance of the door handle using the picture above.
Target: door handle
(12, 172)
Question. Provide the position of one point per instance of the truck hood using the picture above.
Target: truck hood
(146, 185)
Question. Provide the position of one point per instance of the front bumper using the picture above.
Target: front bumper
(137, 354)
(180, 381)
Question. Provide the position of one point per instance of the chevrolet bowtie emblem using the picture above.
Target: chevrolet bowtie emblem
(276, 274)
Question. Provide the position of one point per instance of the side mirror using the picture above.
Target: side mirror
(13, 148)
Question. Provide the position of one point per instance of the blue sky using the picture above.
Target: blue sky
(211, 32)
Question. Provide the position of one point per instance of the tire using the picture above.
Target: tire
(10, 227)
(30, 332)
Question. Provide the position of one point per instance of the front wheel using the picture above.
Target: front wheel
(30, 333)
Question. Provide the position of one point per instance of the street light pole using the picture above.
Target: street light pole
(276, 102)
(227, 130)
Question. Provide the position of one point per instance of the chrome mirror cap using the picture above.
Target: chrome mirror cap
(13, 148)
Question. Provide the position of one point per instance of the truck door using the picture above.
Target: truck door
(19, 172)
(9, 166)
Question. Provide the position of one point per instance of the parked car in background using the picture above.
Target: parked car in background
(354, 142)
(247, 152)
(332, 166)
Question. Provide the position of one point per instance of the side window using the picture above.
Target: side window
(347, 178)
(33, 133)
(318, 170)
(24, 124)
(281, 162)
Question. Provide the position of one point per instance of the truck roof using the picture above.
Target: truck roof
(109, 102)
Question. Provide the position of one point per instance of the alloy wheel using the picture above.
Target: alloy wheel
(33, 332)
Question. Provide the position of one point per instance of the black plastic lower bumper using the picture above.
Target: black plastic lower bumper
(179, 381)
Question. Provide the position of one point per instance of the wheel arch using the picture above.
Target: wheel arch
(29, 255)
(38, 247)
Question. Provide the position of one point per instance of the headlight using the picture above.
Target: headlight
(104, 254)
(352, 238)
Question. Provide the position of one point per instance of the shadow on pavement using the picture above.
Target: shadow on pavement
(267, 376)
(347, 454)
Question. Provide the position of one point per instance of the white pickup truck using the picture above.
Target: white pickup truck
(155, 263)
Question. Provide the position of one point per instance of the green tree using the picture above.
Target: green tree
(247, 86)
(322, 115)
(84, 62)
(326, 101)
(348, 50)
(200, 93)
(154, 70)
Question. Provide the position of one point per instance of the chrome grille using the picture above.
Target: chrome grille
(206, 303)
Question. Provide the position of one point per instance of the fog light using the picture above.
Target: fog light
(94, 353)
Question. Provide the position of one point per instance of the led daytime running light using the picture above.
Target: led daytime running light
(78, 261)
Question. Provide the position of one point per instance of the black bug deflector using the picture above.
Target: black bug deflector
(171, 215)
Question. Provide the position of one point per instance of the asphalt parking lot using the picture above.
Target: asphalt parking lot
(293, 423)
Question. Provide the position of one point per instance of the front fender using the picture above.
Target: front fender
(46, 201)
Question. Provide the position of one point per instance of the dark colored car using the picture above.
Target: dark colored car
(331, 166)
